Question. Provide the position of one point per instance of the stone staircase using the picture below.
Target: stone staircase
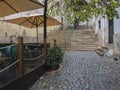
(79, 39)
(59, 36)
(82, 39)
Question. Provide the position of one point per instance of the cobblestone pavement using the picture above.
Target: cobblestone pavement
(82, 71)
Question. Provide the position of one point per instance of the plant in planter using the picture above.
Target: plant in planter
(54, 56)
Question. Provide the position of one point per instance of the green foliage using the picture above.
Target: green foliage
(54, 56)
(83, 10)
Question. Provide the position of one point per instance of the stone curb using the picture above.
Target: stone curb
(54, 72)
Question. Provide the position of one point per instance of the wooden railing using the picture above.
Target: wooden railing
(19, 54)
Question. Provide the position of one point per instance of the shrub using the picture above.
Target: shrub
(54, 56)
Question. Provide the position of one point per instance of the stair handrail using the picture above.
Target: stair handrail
(67, 37)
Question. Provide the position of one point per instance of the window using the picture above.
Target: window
(99, 23)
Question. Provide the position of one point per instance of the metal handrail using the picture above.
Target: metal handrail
(68, 36)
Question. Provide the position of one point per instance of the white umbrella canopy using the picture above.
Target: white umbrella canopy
(33, 21)
(8, 7)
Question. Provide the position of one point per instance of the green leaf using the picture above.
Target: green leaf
(83, 10)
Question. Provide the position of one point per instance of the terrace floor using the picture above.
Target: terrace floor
(82, 70)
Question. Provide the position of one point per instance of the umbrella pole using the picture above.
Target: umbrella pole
(37, 33)
(45, 31)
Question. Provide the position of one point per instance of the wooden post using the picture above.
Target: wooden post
(45, 30)
(20, 55)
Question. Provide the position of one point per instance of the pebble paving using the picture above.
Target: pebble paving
(82, 70)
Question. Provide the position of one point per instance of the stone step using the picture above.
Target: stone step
(82, 44)
(79, 44)
(83, 36)
(81, 39)
(83, 49)
(59, 36)
(84, 32)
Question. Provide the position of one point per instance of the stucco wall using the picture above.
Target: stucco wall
(102, 32)
(117, 23)
(116, 49)
(116, 44)
(12, 29)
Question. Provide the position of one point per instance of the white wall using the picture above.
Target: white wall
(102, 33)
(117, 23)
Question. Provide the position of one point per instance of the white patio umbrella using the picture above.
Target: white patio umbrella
(8, 7)
(33, 21)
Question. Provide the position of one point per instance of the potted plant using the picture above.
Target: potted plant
(54, 57)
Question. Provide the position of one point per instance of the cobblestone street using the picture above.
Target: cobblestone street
(82, 70)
